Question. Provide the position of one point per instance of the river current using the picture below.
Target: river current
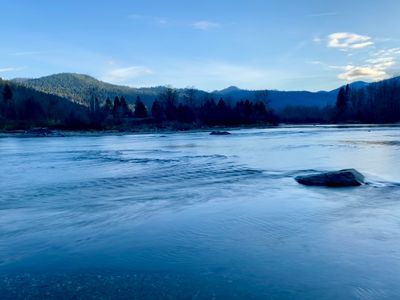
(194, 216)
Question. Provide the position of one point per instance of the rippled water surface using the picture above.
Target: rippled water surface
(194, 216)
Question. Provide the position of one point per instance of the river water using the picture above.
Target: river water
(193, 216)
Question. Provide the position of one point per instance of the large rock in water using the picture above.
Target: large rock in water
(220, 133)
(342, 178)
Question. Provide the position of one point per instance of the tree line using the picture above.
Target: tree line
(377, 103)
(168, 108)
(22, 108)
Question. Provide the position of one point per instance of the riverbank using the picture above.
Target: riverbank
(44, 131)
(47, 132)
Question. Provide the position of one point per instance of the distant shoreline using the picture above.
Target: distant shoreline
(139, 131)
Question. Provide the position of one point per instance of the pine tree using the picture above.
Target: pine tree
(96, 105)
(126, 112)
(108, 107)
(140, 109)
(169, 98)
(116, 108)
(156, 111)
(7, 94)
(341, 101)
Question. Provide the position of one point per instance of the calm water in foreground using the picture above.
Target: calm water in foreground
(193, 216)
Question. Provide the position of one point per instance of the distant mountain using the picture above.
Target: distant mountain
(81, 89)
(230, 89)
(280, 99)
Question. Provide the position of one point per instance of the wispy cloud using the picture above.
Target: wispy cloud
(205, 25)
(124, 75)
(375, 68)
(323, 14)
(346, 40)
(27, 53)
(382, 62)
(9, 69)
(387, 52)
(198, 25)
(316, 62)
(154, 19)
(317, 40)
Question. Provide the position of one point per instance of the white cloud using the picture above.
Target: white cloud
(363, 72)
(378, 66)
(374, 69)
(382, 62)
(123, 75)
(346, 40)
(205, 25)
(9, 69)
(387, 52)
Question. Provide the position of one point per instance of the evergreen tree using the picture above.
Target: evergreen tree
(116, 108)
(108, 106)
(126, 112)
(140, 109)
(169, 98)
(7, 93)
(341, 101)
(185, 114)
(222, 113)
(96, 105)
(209, 111)
(156, 111)
(190, 96)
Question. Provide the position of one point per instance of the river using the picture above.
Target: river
(194, 216)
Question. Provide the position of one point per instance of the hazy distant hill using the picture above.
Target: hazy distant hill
(280, 99)
(82, 88)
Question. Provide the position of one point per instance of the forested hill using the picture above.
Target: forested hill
(83, 88)
(75, 101)
(24, 107)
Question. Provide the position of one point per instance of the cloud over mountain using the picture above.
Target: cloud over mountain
(346, 40)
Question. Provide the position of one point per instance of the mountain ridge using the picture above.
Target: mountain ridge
(81, 88)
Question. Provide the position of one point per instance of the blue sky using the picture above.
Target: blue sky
(287, 45)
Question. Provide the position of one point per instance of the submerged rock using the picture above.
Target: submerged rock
(40, 131)
(220, 133)
(43, 131)
(342, 178)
